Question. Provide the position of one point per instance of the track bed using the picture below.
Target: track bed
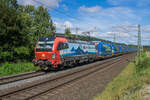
(45, 88)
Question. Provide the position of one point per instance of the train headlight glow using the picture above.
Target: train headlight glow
(53, 55)
(43, 55)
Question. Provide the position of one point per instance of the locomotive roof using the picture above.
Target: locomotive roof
(49, 38)
(79, 41)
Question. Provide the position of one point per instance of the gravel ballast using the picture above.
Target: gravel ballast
(87, 88)
(82, 89)
(51, 74)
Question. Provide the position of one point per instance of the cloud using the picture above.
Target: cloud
(122, 17)
(68, 24)
(129, 2)
(27, 2)
(128, 33)
(60, 27)
(108, 17)
(45, 3)
(94, 9)
(125, 27)
(112, 13)
(146, 29)
(105, 19)
(121, 12)
(120, 37)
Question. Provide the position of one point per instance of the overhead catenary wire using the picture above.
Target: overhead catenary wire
(75, 18)
(59, 11)
(65, 14)
(125, 31)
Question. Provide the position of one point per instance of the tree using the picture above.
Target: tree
(12, 31)
(10, 3)
(20, 27)
(44, 24)
(52, 28)
(68, 33)
(39, 21)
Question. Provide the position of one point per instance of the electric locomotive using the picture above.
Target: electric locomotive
(57, 52)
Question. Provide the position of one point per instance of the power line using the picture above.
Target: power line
(76, 18)
(68, 15)
(65, 14)
(124, 30)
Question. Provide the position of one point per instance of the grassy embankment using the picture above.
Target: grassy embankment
(131, 83)
(16, 68)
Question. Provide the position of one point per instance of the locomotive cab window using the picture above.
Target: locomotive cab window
(62, 46)
(44, 46)
(65, 45)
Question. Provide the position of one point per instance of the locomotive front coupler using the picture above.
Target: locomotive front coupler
(44, 62)
(48, 63)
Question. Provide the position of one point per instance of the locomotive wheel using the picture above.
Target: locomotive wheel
(60, 67)
(45, 68)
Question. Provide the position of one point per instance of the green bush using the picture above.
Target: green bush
(21, 52)
(143, 64)
(6, 56)
(20, 67)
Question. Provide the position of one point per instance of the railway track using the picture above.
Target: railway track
(38, 88)
(14, 78)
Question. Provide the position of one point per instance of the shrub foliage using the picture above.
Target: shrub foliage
(144, 62)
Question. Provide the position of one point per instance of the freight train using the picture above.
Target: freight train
(57, 52)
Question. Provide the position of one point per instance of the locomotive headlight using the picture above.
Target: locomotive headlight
(53, 55)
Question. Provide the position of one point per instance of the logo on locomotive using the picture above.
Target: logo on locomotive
(107, 47)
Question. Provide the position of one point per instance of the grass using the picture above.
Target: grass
(16, 68)
(129, 83)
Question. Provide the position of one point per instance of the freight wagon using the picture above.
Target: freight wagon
(103, 49)
(115, 49)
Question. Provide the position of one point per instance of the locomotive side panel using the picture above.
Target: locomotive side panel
(78, 52)
(104, 49)
(115, 49)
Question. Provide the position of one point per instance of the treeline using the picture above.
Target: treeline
(146, 48)
(20, 27)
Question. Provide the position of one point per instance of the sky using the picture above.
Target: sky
(103, 18)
